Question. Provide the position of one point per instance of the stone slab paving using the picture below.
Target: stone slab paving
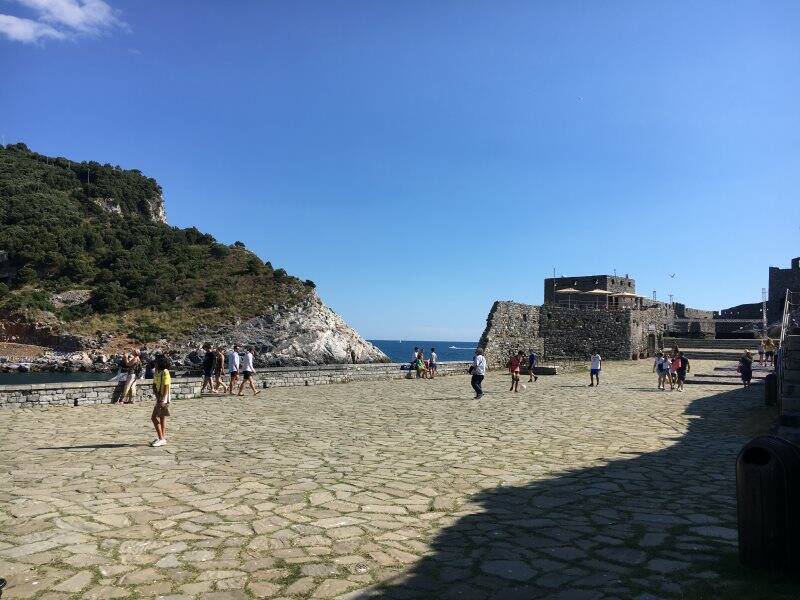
(396, 489)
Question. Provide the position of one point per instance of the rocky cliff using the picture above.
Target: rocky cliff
(308, 333)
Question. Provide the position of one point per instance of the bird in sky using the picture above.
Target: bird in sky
(672, 275)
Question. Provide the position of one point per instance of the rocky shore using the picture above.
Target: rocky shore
(309, 333)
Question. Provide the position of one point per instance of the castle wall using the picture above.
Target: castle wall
(779, 281)
(511, 327)
(558, 332)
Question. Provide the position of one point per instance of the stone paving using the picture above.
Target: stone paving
(396, 489)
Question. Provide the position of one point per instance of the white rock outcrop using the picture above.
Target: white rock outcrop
(305, 334)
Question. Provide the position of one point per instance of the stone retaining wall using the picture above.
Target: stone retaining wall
(102, 392)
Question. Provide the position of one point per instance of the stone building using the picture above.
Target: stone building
(555, 331)
(589, 313)
(781, 280)
(590, 290)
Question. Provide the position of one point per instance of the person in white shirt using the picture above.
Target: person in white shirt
(248, 372)
(478, 370)
(234, 361)
(594, 369)
(432, 364)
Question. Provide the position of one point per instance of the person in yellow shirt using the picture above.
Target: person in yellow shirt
(161, 384)
(769, 351)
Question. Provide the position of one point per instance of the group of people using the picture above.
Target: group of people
(515, 368)
(425, 368)
(135, 365)
(766, 352)
(672, 367)
(214, 363)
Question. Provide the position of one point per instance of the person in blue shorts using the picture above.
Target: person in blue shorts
(533, 360)
(594, 370)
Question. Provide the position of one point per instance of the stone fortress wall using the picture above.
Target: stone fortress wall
(781, 280)
(103, 392)
(556, 332)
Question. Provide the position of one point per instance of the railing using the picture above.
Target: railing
(788, 323)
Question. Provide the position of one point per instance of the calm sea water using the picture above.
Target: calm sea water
(400, 351)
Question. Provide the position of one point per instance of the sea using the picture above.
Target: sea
(397, 350)
(400, 350)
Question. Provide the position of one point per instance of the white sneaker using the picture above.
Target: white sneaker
(158, 443)
(154, 442)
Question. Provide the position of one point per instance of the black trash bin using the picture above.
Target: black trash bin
(771, 389)
(768, 504)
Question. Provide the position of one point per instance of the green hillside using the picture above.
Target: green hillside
(66, 225)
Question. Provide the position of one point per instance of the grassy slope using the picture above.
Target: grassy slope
(147, 278)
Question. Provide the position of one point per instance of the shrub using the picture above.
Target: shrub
(28, 299)
(26, 274)
(109, 297)
(211, 299)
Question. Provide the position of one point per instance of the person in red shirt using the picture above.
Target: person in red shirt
(514, 366)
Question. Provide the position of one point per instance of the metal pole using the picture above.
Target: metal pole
(764, 311)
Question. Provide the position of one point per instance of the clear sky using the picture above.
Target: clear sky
(419, 160)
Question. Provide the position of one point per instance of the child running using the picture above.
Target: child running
(658, 365)
(675, 367)
(533, 360)
(161, 385)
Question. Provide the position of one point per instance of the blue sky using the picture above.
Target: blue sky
(419, 160)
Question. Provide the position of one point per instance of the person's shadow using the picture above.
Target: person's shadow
(660, 525)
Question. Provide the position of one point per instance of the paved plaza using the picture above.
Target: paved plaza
(396, 489)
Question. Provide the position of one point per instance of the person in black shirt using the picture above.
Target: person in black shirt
(208, 368)
(682, 370)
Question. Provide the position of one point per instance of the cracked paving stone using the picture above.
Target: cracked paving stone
(404, 488)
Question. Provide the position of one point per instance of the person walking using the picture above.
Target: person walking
(683, 368)
(208, 368)
(674, 367)
(432, 364)
(761, 352)
(234, 360)
(594, 369)
(248, 372)
(219, 369)
(533, 360)
(769, 351)
(746, 368)
(660, 366)
(514, 366)
(161, 388)
(478, 371)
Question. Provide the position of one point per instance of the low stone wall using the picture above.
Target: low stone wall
(101, 392)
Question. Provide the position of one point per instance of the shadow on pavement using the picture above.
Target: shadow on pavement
(92, 447)
(660, 525)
